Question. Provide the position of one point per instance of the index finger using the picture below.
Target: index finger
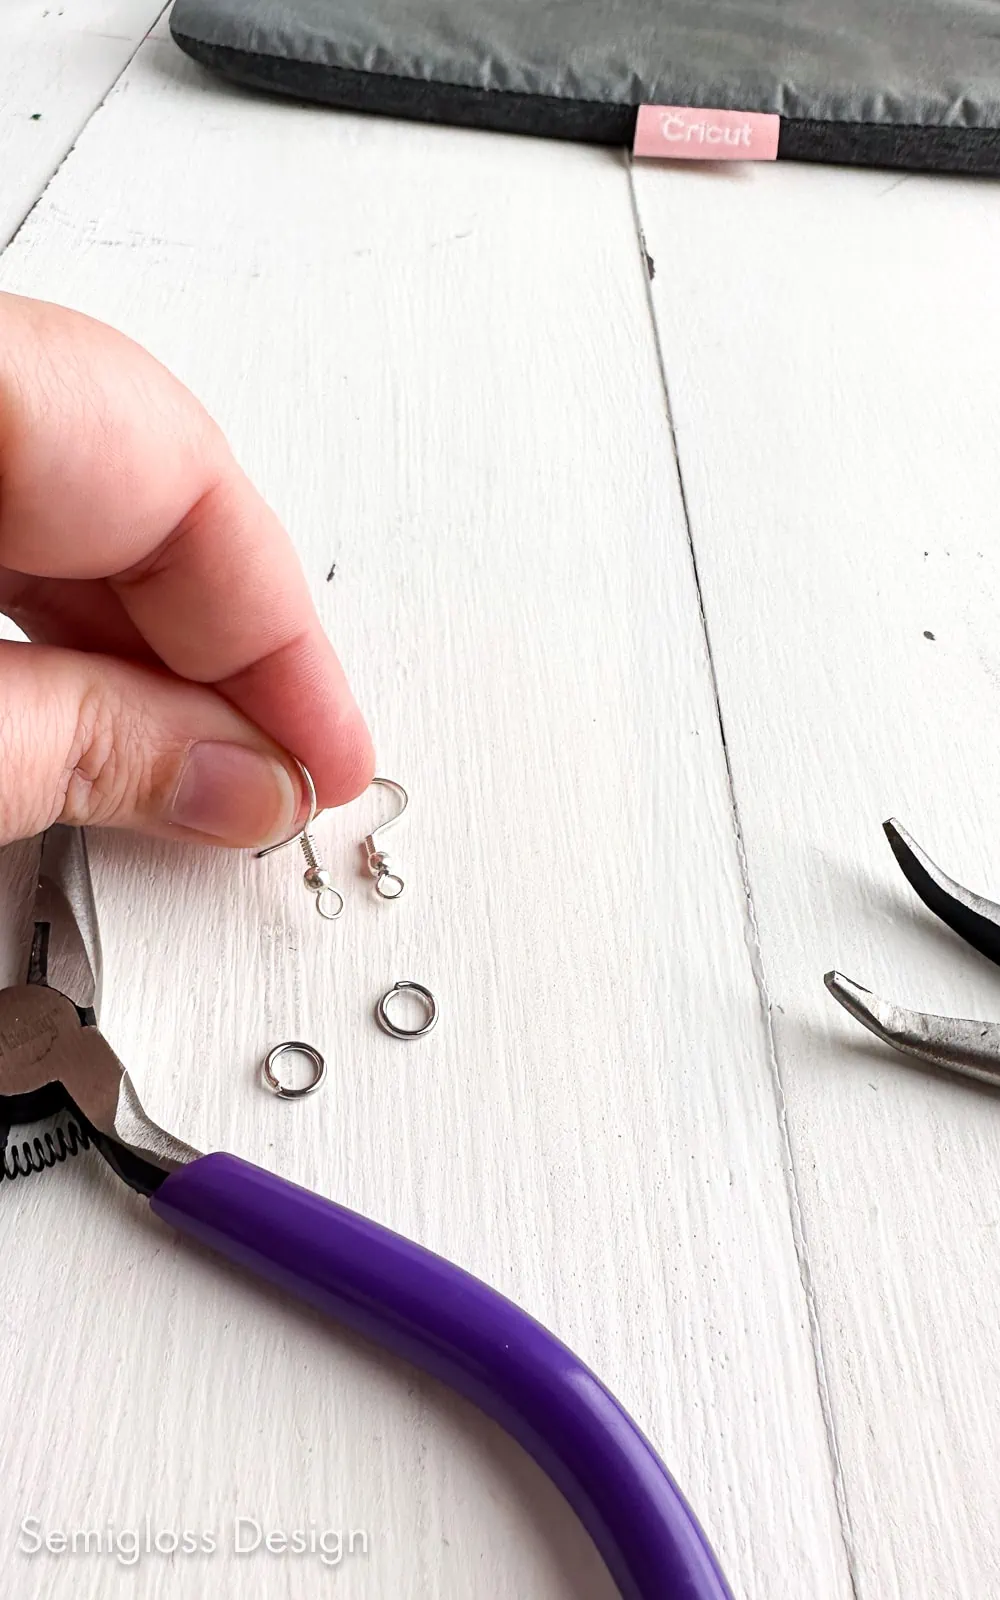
(223, 600)
(111, 469)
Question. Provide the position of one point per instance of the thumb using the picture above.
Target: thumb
(94, 741)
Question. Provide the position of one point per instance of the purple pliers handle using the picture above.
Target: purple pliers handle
(454, 1327)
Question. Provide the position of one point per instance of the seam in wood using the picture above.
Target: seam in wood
(6, 243)
(754, 948)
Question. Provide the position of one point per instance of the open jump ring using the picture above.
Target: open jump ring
(385, 1022)
(293, 1047)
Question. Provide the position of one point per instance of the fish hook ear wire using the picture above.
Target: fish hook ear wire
(329, 900)
(388, 885)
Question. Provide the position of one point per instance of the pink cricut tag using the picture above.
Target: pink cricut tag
(687, 133)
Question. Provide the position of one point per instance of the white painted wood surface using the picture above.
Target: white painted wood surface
(58, 59)
(833, 355)
(435, 352)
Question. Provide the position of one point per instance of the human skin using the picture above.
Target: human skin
(176, 663)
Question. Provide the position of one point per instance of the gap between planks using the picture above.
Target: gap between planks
(126, 64)
(752, 933)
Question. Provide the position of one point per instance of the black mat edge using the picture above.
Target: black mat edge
(910, 147)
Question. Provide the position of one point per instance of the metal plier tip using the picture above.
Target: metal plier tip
(956, 1044)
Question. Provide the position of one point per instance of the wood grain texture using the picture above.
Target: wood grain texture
(833, 358)
(57, 62)
(433, 351)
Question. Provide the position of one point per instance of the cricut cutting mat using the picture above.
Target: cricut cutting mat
(852, 80)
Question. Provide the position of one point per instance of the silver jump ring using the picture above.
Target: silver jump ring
(385, 1022)
(383, 883)
(293, 1046)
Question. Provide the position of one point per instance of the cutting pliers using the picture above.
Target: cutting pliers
(53, 1058)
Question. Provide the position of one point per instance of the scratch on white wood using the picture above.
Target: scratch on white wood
(433, 352)
(835, 390)
(57, 62)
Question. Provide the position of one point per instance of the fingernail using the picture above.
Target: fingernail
(234, 794)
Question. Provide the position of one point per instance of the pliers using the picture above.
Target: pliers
(54, 1059)
(954, 1043)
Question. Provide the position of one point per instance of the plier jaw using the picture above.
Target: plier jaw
(956, 1044)
(66, 941)
(53, 1056)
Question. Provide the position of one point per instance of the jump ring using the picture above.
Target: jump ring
(384, 878)
(289, 1047)
(385, 1022)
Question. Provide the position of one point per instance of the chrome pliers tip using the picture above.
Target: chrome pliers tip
(956, 1044)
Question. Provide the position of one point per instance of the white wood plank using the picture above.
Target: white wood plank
(833, 358)
(57, 62)
(433, 351)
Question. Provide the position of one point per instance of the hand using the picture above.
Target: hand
(176, 657)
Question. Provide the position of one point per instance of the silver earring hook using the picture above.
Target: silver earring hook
(389, 885)
(329, 900)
